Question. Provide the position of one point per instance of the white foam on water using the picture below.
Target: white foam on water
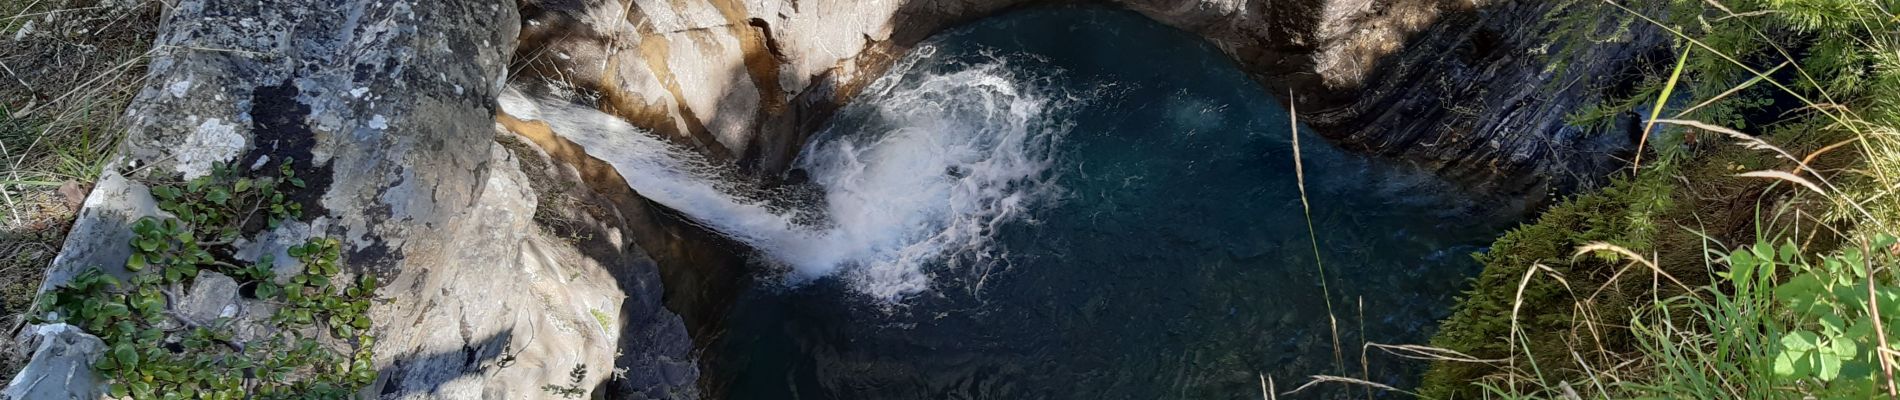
(931, 165)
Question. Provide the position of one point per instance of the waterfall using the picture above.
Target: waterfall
(916, 175)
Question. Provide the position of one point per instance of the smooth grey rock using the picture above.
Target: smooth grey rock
(277, 243)
(505, 292)
(61, 367)
(212, 296)
(103, 230)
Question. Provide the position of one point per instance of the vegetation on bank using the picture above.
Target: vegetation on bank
(1748, 253)
(67, 70)
(313, 343)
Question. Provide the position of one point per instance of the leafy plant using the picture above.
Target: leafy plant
(155, 353)
(1838, 308)
(1803, 315)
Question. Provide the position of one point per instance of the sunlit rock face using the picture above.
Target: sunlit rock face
(387, 110)
(1459, 86)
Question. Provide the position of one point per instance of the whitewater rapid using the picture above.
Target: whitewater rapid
(931, 165)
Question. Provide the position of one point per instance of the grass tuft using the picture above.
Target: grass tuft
(67, 70)
(1754, 257)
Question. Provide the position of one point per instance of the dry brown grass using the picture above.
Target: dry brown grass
(67, 70)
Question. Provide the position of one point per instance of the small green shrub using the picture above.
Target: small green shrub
(1836, 307)
(315, 346)
(1818, 334)
(606, 321)
(1622, 213)
(1817, 80)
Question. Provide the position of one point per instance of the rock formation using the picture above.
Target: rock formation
(386, 109)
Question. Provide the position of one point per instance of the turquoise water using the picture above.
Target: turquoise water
(1150, 242)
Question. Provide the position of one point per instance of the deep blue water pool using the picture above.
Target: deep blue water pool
(1155, 248)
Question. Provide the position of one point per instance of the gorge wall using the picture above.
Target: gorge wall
(1474, 89)
(492, 247)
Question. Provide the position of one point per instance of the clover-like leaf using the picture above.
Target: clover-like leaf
(1827, 366)
(1800, 340)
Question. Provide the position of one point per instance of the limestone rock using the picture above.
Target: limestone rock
(386, 110)
(61, 368)
(102, 230)
(212, 296)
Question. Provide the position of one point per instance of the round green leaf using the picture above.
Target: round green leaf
(125, 355)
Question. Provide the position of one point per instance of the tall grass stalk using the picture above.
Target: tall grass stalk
(1662, 100)
(1299, 175)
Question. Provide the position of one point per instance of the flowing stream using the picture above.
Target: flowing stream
(963, 154)
(1070, 203)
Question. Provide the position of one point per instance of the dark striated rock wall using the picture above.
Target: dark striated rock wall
(1483, 93)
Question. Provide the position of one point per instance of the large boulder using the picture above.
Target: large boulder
(386, 110)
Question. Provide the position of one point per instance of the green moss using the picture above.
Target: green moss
(1622, 214)
(606, 321)
(1674, 214)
